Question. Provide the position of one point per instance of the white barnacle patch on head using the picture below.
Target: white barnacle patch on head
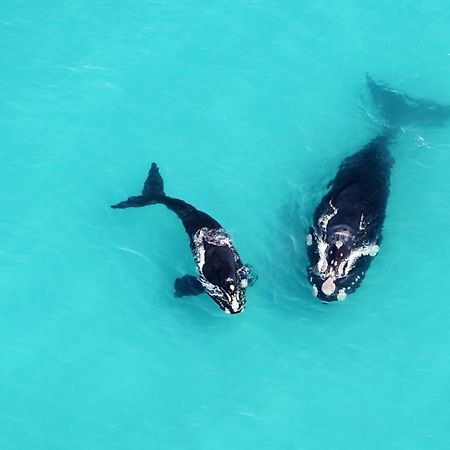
(235, 305)
(341, 269)
(326, 217)
(231, 284)
(365, 250)
(374, 249)
(362, 223)
(328, 287)
(309, 239)
(341, 295)
(322, 264)
(370, 250)
(244, 283)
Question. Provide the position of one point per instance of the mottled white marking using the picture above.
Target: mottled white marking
(328, 287)
(309, 239)
(366, 250)
(326, 217)
(341, 268)
(322, 264)
(362, 224)
(341, 295)
(314, 290)
(374, 250)
(244, 283)
(235, 305)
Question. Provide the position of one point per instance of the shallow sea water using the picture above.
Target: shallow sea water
(248, 108)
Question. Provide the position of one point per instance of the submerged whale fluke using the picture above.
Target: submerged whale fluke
(399, 109)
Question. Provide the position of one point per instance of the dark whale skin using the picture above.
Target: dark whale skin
(355, 202)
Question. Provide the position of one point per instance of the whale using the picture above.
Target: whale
(347, 224)
(221, 273)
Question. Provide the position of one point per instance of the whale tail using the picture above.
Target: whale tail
(399, 109)
(152, 193)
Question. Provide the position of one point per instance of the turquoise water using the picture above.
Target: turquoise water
(248, 108)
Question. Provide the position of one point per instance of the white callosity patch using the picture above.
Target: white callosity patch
(326, 217)
(309, 239)
(315, 291)
(322, 246)
(374, 250)
(365, 250)
(362, 223)
(328, 287)
(341, 295)
(322, 264)
(235, 305)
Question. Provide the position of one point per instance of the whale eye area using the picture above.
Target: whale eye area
(220, 268)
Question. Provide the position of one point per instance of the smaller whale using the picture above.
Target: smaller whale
(221, 273)
(348, 222)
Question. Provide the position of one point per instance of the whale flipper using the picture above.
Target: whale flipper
(153, 191)
(399, 109)
(188, 285)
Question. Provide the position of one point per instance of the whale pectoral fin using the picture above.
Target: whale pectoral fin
(188, 285)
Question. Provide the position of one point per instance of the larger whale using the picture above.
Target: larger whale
(221, 273)
(347, 224)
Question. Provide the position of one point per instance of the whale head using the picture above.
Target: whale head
(223, 280)
(337, 264)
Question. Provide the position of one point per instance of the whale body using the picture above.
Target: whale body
(221, 273)
(346, 232)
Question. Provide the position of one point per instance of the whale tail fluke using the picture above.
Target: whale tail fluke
(399, 109)
(152, 193)
(154, 184)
